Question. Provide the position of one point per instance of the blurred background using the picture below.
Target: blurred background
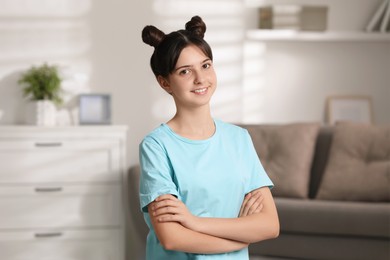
(272, 76)
(98, 46)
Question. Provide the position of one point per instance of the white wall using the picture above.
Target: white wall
(295, 80)
(121, 64)
(297, 77)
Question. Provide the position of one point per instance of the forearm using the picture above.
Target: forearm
(247, 229)
(251, 228)
(173, 236)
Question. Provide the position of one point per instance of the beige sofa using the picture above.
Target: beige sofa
(332, 191)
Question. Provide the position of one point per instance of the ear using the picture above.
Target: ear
(164, 84)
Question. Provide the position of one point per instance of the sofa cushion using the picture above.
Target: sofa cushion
(358, 167)
(293, 246)
(344, 218)
(286, 152)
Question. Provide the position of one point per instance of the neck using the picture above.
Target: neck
(194, 124)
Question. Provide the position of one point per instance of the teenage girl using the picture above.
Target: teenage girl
(203, 190)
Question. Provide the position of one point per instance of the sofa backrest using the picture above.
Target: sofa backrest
(321, 153)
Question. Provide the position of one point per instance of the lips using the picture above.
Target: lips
(200, 91)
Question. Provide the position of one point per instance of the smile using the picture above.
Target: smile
(200, 91)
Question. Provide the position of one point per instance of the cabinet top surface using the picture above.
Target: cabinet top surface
(84, 130)
(54, 128)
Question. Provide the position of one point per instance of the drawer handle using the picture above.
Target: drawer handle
(48, 144)
(49, 189)
(46, 235)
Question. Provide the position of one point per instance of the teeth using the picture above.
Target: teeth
(200, 90)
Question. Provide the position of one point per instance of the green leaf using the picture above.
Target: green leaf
(42, 83)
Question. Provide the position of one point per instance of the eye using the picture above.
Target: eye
(206, 65)
(184, 72)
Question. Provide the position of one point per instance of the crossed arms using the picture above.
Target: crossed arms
(177, 229)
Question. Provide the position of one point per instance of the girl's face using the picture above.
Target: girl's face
(193, 81)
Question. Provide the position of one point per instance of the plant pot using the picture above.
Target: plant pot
(41, 113)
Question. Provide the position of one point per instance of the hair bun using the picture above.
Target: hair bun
(196, 26)
(152, 36)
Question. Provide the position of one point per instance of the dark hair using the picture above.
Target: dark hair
(167, 47)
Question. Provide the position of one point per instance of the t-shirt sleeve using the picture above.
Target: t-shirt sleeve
(156, 175)
(257, 175)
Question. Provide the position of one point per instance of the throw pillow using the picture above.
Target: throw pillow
(358, 167)
(286, 152)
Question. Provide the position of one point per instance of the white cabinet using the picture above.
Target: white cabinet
(61, 193)
(55, 206)
(61, 244)
(61, 160)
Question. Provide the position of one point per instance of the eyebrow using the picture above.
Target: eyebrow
(188, 66)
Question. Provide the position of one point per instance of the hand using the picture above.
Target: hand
(253, 203)
(168, 208)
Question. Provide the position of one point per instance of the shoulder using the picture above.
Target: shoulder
(231, 129)
(157, 137)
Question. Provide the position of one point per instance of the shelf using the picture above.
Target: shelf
(335, 36)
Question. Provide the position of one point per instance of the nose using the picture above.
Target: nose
(198, 77)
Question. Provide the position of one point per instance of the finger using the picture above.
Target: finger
(164, 203)
(247, 207)
(256, 191)
(254, 206)
(244, 203)
(259, 209)
(166, 197)
(249, 204)
(259, 198)
(257, 203)
(246, 198)
(256, 197)
(257, 206)
(168, 218)
(166, 210)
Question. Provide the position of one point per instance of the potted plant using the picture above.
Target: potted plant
(42, 85)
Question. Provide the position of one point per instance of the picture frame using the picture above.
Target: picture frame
(349, 108)
(94, 109)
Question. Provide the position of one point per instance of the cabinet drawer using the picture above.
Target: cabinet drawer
(62, 245)
(60, 206)
(60, 161)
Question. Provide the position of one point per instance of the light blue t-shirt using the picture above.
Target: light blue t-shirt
(210, 176)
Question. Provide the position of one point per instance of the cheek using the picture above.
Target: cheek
(213, 77)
